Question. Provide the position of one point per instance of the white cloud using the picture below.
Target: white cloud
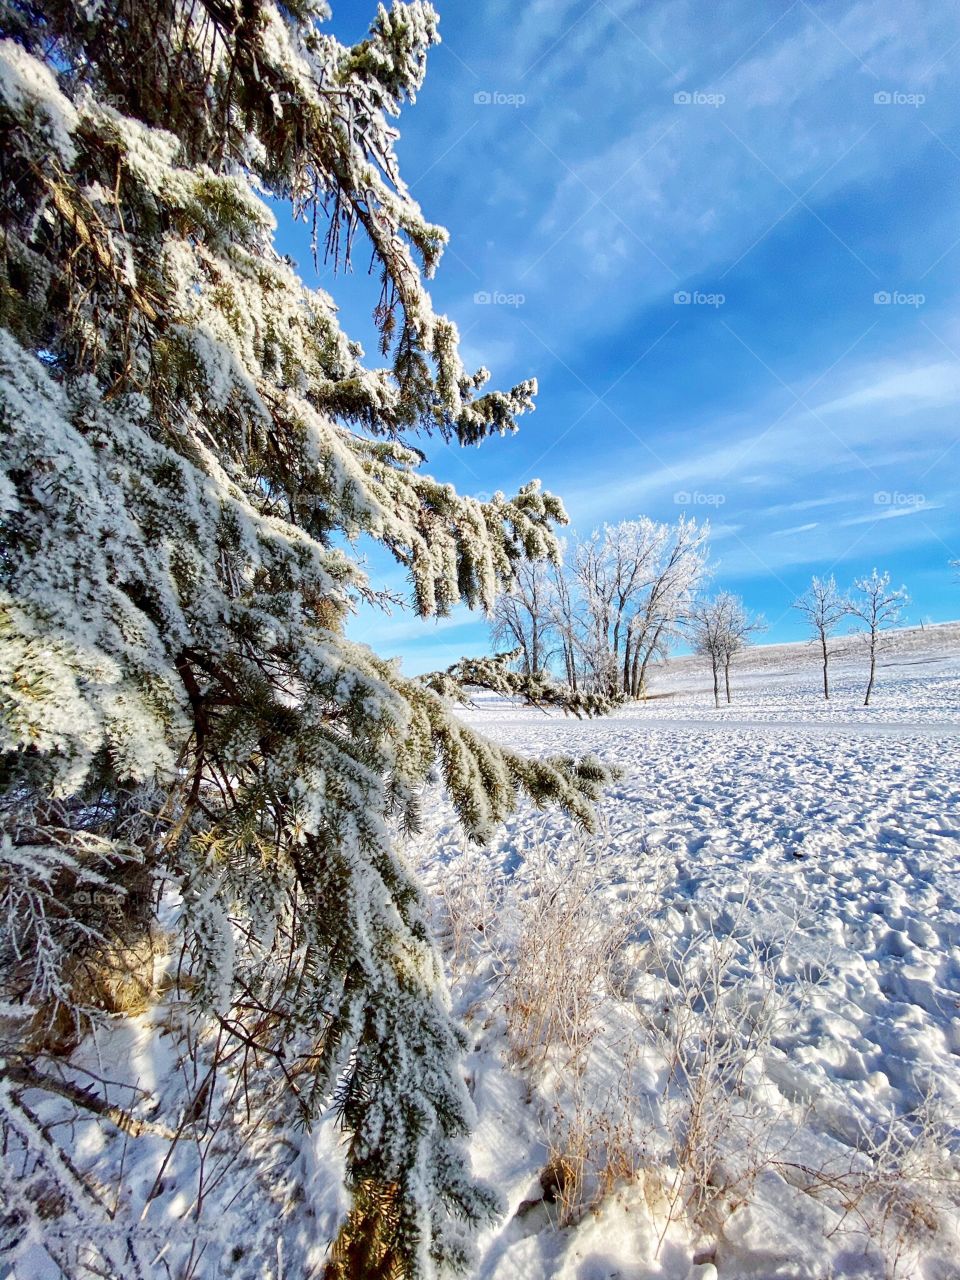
(687, 190)
(808, 504)
(911, 387)
(893, 513)
(797, 528)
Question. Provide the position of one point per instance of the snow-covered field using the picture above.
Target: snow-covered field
(803, 863)
(719, 1038)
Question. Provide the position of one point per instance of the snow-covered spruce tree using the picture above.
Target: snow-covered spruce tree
(189, 442)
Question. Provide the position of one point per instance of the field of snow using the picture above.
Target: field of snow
(778, 885)
(718, 1040)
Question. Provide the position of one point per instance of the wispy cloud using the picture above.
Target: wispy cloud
(783, 412)
(668, 190)
(892, 513)
(797, 528)
(916, 386)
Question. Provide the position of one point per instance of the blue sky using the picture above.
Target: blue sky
(687, 217)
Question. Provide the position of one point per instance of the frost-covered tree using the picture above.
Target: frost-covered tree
(706, 630)
(630, 587)
(611, 568)
(876, 605)
(738, 626)
(823, 608)
(565, 622)
(665, 601)
(524, 616)
(719, 629)
(189, 445)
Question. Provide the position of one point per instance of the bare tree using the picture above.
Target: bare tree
(611, 569)
(524, 615)
(707, 632)
(719, 629)
(678, 575)
(617, 604)
(740, 626)
(632, 583)
(823, 609)
(566, 623)
(877, 605)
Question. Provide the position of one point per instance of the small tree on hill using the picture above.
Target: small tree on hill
(707, 631)
(877, 605)
(719, 628)
(739, 626)
(823, 609)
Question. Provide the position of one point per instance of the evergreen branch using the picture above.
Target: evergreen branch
(537, 690)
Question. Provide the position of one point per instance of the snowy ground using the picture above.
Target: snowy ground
(721, 1038)
(803, 861)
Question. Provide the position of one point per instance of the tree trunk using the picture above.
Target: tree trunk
(726, 678)
(636, 676)
(626, 661)
(826, 684)
(873, 667)
(569, 665)
(716, 684)
(640, 679)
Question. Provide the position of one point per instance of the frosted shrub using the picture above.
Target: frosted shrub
(568, 934)
(471, 895)
(899, 1188)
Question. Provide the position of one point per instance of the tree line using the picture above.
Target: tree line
(594, 621)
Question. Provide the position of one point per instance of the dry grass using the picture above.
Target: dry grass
(569, 934)
(712, 1005)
